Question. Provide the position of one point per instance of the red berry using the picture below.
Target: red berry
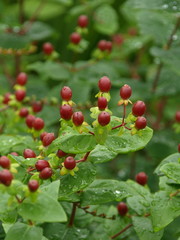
(37, 107)
(104, 118)
(6, 177)
(102, 103)
(46, 173)
(179, 147)
(29, 120)
(102, 45)
(66, 93)
(38, 124)
(47, 139)
(75, 37)
(20, 95)
(122, 208)
(5, 162)
(118, 39)
(177, 117)
(140, 123)
(125, 92)
(33, 185)
(61, 154)
(70, 163)
(48, 48)
(83, 21)
(21, 78)
(104, 84)
(41, 164)
(14, 153)
(6, 98)
(28, 153)
(109, 46)
(139, 108)
(141, 178)
(23, 112)
(43, 135)
(78, 118)
(66, 111)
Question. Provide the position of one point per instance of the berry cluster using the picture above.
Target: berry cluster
(104, 45)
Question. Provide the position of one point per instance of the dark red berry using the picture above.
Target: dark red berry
(42, 135)
(118, 39)
(125, 92)
(66, 111)
(21, 78)
(122, 208)
(33, 185)
(141, 178)
(6, 98)
(177, 117)
(104, 84)
(23, 112)
(78, 118)
(179, 147)
(29, 153)
(48, 48)
(70, 163)
(47, 139)
(102, 45)
(6, 177)
(140, 123)
(37, 107)
(66, 93)
(102, 103)
(5, 162)
(20, 95)
(14, 153)
(29, 120)
(38, 124)
(139, 108)
(104, 118)
(61, 154)
(41, 164)
(83, 21)
(46, 173)
(109, 46)
(75, 38)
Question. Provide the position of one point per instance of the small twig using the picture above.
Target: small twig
(17, 60)
(21, 11)
(175, 193)
(19, 200)
(91, 132)
(84, 158)
(118, 126)
(123, 230)
(71, 221)
(124, 113)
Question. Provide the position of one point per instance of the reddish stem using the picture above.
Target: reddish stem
(123, 230)
(71, 221)
(84, 158)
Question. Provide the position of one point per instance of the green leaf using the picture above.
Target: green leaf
(172, 171)
(52, 189)
(24, 232)
(24, 162)
(14, 41)
(39, 31)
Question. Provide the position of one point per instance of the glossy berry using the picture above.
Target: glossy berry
(78, 118)
(75, 38)
(66, 93)
(102, 45)
(122, 208)
(61, 154)
(48, 139)
(21, 78)
(141, 178)
(125, 92)
(23, 112)
(43, 135)
(5, 162)
(104, 118)
(14, 153)
(83, 21)
(6, 177)
(66, 111)
(6, 98)
(29, 120)
(177, 117)
(109, 46)
(102, 103)
(104, 84)
(140, 123)
(33, 185)
(20, 95)
(41, 164)
(46, 173)
(38, 124)
(70, 163)
(48, 48)
(139, 108)
(37, 107)
(29, 153)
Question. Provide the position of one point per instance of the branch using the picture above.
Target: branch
(71, 221)
(21, 11)
(84, 158)
(102, 215)
(123, 230)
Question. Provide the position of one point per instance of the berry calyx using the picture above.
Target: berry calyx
(78, 118)
(66, 93)
(104, 84)
(177, 116)
(141, 178)
(104, 118)
(122, 208)
(66, 111)
(23, 112)
(102, 103)
(20, 95)
(38, 124)
(37, 107)
(6, 98)
(5, 162)
(141, 123)
(70, 163)
(29, 120)
(29, 153)
(33, 185)
(6, 177)
(41, 164)
(61, 154)
(75, 38)
(48, 139)
(83, 21)
(102, 45)
(139, 108)
(21, 78)
(125, 92)
(46, 173)
(48, 48)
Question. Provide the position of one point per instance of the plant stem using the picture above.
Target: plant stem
(123, 230)
(124, 113)
(21, 11)
(133, 165)
(71, 221)
(17, 60)
(84, 158)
